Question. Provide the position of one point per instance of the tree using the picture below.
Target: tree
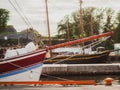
(32, 34)
(117, 30)
(108, 22)
(92, 19)
(64, 28)
(108, 27)
(95, 21)
(91, 16)
(4, 17)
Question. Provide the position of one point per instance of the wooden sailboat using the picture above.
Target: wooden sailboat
(25, 66)
(99, 57)
(79, 58)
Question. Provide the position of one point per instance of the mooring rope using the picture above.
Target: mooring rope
(57, 77)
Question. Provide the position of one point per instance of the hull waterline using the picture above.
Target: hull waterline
(22, 68)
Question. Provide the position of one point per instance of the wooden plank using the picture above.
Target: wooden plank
(82, 82)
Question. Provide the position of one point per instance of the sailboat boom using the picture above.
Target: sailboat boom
(80, 40)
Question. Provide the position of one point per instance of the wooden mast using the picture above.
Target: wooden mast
(81, 25)
(48, 26)
(81, 21)
(68, 32)
(91, 23)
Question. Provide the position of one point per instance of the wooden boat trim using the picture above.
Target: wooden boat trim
(78, 58)
(81, 82)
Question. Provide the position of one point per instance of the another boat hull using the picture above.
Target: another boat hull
(80, 59)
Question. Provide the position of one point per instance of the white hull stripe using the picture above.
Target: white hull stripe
(21, 71)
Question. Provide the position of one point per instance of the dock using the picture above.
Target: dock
(114, 58)
(78, 69)
(59, 87)
(68, 69)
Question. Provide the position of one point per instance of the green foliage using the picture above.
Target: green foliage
(108, 21)
(117, 30)
(4, 17)
(108, 25)
(94, 19)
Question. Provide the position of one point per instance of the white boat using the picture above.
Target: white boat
(22, 67)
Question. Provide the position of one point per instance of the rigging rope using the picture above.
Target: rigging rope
(93, 45)
(57, 77)
(22, 16)
(96, 43)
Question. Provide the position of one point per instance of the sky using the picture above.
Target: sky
(35, 12)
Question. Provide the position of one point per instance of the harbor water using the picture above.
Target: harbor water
(99, 78)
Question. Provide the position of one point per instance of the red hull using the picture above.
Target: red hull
(23, 61)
